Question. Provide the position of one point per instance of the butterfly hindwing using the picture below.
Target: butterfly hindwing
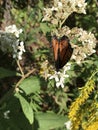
(55, 44)
(62, 51)
(65, 51)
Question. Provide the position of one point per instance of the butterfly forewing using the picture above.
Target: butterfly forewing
(55, 45)
(63, 46)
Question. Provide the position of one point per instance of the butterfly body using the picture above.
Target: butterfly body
(62, 51)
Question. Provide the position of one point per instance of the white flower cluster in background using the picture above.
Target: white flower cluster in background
(60, 77)
(9, 41)
(85, 46)
(61, 9)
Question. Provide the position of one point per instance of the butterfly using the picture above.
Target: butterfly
(62, 51)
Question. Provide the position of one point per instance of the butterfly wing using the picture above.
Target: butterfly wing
(55, 44)
(65, 51)
(62, 51)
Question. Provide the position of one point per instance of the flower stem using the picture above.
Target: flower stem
(7, 96)
(93, 74)
(25, 76)
(20, 68)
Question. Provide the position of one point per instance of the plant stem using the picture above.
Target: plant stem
(61, 23)
(13, 89)
(93, 74)
(25, 76)
(20, 68)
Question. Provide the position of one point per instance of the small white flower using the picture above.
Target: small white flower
(18, 50)
(61, 82)
(14, 56)
(60, 77)
(79, 5)
(54, 9)
(67, 67)
(93, 51)
(60, 4)
(20, 55)
(68, 125)
(6, 116)
(16, 33)
(54, 76)
(13, 29)
(21, 47)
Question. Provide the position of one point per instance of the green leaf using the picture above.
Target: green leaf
(30, 85)
(50, 120)
(26, 108)
(7, 73)
(44, 28)
(17, 119)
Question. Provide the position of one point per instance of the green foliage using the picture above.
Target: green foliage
(89, 21)
(30, 85)
(31, 21)
(16, 120)
(44, 27)
(7, 73)
(26, 108)
(50, 120)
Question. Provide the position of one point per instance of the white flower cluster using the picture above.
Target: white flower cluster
(13, 29)
(59, 77)
(9, 41)
(18, 49)
(86, 43)
(60, 32)
(82, 42)
(61, 9)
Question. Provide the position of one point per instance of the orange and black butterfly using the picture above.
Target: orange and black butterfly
(62, 51)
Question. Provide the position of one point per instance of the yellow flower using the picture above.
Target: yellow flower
(75, 113)
(93, 126)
